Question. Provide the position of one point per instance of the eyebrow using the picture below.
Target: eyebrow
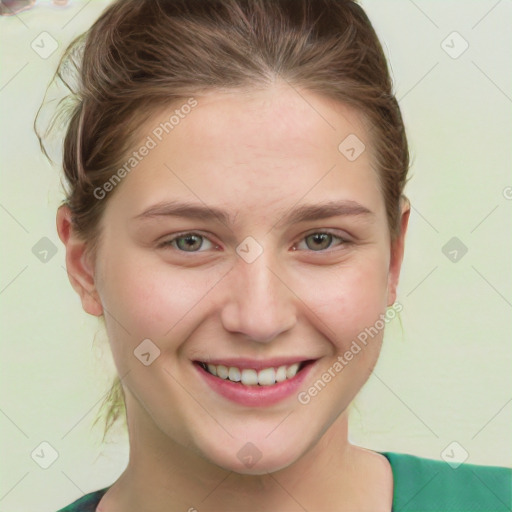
(307, 212)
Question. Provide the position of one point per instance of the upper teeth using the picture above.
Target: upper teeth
(250, 377)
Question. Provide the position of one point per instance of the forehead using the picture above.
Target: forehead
(277, 122)
(254, 149)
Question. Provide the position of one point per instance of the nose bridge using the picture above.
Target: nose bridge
(260, 304)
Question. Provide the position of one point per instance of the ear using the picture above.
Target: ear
(397, 252)
(79, 268)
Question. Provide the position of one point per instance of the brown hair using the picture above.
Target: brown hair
(143, 55)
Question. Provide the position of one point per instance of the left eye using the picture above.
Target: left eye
(322, 240)
(192, 242)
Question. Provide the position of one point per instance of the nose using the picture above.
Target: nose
(261, 304)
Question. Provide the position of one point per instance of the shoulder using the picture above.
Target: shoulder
(87, 503)
(422, 484)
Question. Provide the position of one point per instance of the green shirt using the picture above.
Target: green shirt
(420, 485)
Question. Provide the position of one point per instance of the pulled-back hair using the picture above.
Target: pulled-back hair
(143, 55)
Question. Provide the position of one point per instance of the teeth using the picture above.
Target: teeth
(234, 374)
(250, 377)
(292, 370)
(222, 371)
(267, 377)
(281, 374)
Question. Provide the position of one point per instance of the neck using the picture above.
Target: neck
(163, 475)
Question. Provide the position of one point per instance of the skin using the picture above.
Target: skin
(254, 154)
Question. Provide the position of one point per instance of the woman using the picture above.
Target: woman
(235, 213)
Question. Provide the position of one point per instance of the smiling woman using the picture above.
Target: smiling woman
(247, 264)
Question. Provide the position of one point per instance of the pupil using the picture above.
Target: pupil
(190, 240)
(319, 237)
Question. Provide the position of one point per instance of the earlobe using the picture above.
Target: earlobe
(397, 254)
(79, 268)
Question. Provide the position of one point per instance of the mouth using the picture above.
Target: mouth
(253, 383)
(255, 375)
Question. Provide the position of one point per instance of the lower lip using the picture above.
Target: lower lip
(255, 396)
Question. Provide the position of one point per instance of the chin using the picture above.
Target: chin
(264, 466)
(257, 457)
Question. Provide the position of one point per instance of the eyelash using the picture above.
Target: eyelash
(168, 243)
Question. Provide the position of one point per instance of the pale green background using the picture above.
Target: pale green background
(446, 378)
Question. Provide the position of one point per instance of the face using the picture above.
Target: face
(270, 297)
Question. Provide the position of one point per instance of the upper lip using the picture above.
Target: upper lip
(256, 364)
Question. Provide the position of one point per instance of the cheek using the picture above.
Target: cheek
(149, 297)
(350, 299)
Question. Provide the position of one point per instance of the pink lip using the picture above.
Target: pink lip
(255, 396)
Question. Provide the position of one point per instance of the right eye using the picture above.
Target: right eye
(185, 242)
